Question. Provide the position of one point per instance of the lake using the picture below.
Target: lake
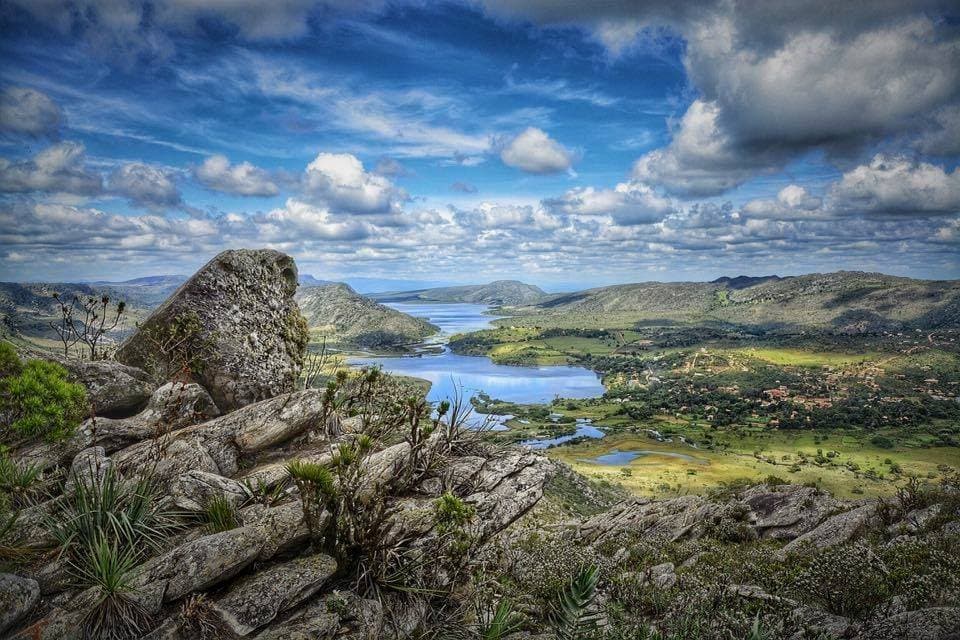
(473, 374)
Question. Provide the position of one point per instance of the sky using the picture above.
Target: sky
(564, 144)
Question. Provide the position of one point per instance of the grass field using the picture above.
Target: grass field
(756, 456)
(804, 358)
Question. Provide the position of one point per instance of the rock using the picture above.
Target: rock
(283, 527)
(669, 519)
(242, 323)
(938, 623)
(113, 389)
(505, 488)
(818, 623)
(193, 490)
(314, 623)
(832, 531)
(196, 565)
(172, 406)
(216, 445)
(256, 600)
(89, 467)
(787, 511)
(753, 592)
(18, 596)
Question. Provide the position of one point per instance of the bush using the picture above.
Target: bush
(848, 580)
(220, 515)
(39, 402)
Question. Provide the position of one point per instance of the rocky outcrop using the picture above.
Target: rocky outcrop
(833, 531)
(244, 337)
(113, 389)
(172, 406)
(938, 623)
(215, 446)
(17, 597)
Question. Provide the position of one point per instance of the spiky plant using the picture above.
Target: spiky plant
(18, 479)
(220, 515)
(570, 615)
(128, 512)
(317, 491)
(108, 566)
(504, 621)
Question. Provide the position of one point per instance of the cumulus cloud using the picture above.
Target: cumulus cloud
(145, 185)
(896, 185)
(702, 159)
(242, 179)
(339, 181)
(59, 168)
(792, 203)
(30, 112)
(628, 203)
(533, 151)
(314, 222)
(778, 79)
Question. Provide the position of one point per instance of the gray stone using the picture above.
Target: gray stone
(216, 445)
(194, 490)
(113, 389)
(89, 467)
(196, 565)
(832, 531)
(255, 601)
(787, 511)
(251, 337)
(18, 596)
(816, 622)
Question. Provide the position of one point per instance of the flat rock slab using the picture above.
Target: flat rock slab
(256, 600)
(834, 530)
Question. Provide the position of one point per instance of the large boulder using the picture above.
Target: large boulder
(243, 336)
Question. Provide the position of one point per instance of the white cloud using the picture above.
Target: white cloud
(145, 185)
(792, 203)
(243, 179)
(628, 203)
(60, 168)
(314, 222)
(28, 111)
(534, 151)
(896, 185)
(339, 181)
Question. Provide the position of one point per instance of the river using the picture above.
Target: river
(473, 374)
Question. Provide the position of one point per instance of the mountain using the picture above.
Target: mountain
(307, 280)
(348, 318)
(848, 301)
(498, 293)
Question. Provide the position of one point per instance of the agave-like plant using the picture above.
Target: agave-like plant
(220, 514)
(570, 614)
(108, 566)
(504, 621)
(128, 512)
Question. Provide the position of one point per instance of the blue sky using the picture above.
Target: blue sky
(461, 142)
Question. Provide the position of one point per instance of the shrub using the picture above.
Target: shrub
(848, 580)
(39, 402)
(544, 564)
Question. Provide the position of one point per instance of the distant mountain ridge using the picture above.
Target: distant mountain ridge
(349, 318)
(496, 293)
(850, 301)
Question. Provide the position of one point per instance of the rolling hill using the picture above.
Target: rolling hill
(348, 318)
(505, 293)
(845, 301)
